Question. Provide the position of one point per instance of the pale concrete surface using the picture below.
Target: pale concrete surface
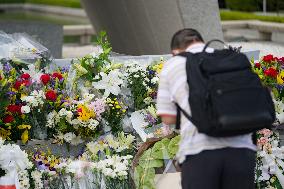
(265, 48)
(168, 181)
(72, 51)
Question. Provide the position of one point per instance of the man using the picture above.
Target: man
(207, 162)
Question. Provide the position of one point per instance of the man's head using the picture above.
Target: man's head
(184, 38)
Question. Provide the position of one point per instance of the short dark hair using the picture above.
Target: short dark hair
(183, 38)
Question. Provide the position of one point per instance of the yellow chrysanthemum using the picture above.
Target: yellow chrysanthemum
(25, 136)
(24, 127)
(4, 134)
(158, 67)
(85, 113)
(280, 78)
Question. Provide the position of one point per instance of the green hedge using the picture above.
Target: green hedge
(12, 1)
(235, 15)
(64, 3)
(254, 5)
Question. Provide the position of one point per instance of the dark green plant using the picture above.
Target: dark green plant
(243, 5)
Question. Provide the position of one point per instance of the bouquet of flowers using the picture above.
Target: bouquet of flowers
(270, 164)
(16, 164)
(270, 70)
(84, 70)
(111, 157)
(77, 121)
(143, 83)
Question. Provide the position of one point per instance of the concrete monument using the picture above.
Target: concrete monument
(139, 27)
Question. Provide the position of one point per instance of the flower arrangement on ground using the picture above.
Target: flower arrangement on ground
(111, 157)
(271, 72)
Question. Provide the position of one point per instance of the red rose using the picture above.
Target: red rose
(14, 108)
(8, 119)
(271, 72)
(268, 58)
(257, 65)
(51, 95)
(25, 76)
(17, 85)
(57, 75)
(45, 78)
(281, 59)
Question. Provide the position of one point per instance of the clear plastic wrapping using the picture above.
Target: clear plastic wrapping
(21, 47)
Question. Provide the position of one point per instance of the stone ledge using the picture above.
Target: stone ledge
(266, 26)
(78, 30)
(253, 24)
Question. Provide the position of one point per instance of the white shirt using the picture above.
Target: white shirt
(173, 88)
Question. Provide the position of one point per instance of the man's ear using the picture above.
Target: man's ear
(176, 51)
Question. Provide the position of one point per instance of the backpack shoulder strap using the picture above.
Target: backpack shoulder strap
(179, 109)
(178, 118)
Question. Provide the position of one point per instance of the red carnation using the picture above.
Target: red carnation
(268, 58)
(25, 76)
(79, 110)
(51, 95)
(14, 108)
(271, 72)
(17, 85)
(26, 83)
(257, 65)
(8, 119)
(45, 78)
(57, 75)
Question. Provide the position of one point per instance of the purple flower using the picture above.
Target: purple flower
(151, 72)
(150, 119)
(7, 67)
(65, 69)
(11, 93)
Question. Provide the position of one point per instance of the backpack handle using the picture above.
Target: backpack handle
(213, 40)
(237, 49)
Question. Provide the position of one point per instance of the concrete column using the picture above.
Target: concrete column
(139, 27)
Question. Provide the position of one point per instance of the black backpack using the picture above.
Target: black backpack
(226, 97)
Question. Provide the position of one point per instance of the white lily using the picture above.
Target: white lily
(110, 83)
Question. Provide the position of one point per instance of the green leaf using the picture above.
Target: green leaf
(174, 146)
(148, 161)
(160, 149)
(144, 178)
(151, 163)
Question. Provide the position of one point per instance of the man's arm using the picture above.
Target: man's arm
(166, 109)
(168, 119)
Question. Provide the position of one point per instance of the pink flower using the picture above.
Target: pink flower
(99, 107)
(166, 130)
(262, 141)
(266, 132)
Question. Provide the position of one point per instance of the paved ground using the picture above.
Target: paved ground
(72, 51)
